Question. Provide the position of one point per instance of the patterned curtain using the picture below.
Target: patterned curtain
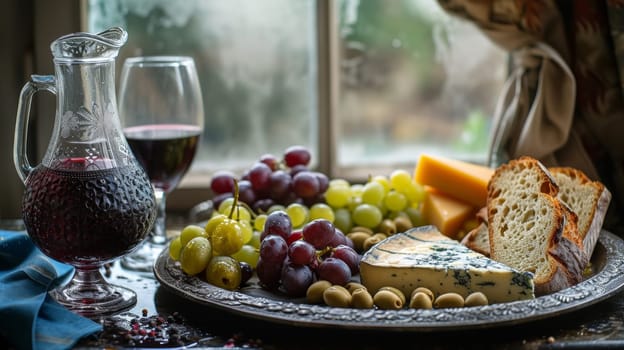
(563, 102)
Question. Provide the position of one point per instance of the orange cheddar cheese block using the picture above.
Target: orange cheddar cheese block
(461, 180)
(444, 212)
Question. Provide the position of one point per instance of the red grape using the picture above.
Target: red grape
(294, 236)
(260, 177)
(319, 233)
(323, 181)
(246, 193)
(222, 182)
(216, 200)
(296, 155)
(262, 205)
(301, 252)
(280, 185)
(334, 270)
(246, 272)
(268, 273)
(305, 184)
(270, 160)
(297, 169)
(349, 256)
(296, 279)
(273, 249)
(278, 223)
(338, 239)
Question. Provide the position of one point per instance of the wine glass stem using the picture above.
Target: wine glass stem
(159, 231)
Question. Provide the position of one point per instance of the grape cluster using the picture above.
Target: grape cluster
(291, 260)
(270, 182)
(381, 197)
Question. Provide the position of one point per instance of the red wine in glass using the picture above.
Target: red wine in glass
(87, 218)
(165, 151)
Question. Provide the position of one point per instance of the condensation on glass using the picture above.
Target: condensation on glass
(256, 61)
(411, 78)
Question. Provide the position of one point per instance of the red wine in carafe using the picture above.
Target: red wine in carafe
(165, 151)
(88, 217)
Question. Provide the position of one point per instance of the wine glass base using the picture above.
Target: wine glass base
(142, 260)
(97, 300)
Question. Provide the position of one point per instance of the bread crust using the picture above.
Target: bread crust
(592, 216)
(524, 190)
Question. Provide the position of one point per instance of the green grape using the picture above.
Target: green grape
(259, 222)
(354, 202)
(383, 181)
(248, 254)
(174, 248)
(246, 229)
(395, 201)
(276, 207)
(298, 214)
(339, 183)
(321, 211)
(214, 222)
(415, 215)
(373, 193)
(415, 192)
(338, 196)
(400, 179)
(343, 220)
(225, 206)
(240, 212)
(227, 237)
(367, 215)
(224, 272)
(195, 255)
(255, 239)
(356, 190)
(189, 232)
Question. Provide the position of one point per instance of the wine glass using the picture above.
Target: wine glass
(162, 116)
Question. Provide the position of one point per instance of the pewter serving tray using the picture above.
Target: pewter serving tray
(252, 301)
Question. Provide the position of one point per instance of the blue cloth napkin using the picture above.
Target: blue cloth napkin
(29, 317)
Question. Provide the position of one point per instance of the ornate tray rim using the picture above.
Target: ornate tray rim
(602, 285)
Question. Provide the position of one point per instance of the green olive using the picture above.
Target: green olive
(362, 229)
(372, 240)
(476, 299)
(358, 239)
(387, 300)
(337, 296)
(424, 290)
(224, 272)
(396, 291)
(402, 223)
(387, 227)
(352, 286)
(448, 300)
(314, 294)
(420, 300)
(361, 299)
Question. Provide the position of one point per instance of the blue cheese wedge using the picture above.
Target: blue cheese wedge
(424, 257)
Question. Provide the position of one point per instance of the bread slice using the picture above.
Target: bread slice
(588, 199)
(478, 239)
(530, 229)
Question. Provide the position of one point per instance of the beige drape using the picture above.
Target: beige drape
(563, 101)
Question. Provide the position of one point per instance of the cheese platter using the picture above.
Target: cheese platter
(604, 281)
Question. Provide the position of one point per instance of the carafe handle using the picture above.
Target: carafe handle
(20, 156)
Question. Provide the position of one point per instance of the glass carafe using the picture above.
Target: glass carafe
(89, 201)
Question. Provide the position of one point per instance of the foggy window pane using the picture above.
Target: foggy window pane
(414, 80)
(256, 61)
